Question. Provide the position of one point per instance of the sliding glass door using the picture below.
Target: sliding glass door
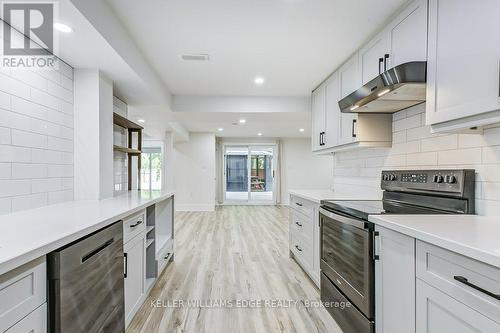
(249, 174)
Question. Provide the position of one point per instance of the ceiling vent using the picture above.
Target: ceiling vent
(195, 57)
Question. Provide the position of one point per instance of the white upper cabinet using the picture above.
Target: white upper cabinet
(408, 35)
(403, 40)
(318, 109)
(371, 56)
(463, 64)
(349, 81)
(331, 136)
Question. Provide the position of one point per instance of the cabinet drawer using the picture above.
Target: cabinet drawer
(302, 252)
(35, 322)
(446, 271)
(301, 226)
(133, 225)
(303, 206)
(22, 290)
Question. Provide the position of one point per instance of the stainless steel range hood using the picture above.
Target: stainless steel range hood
(395, 89)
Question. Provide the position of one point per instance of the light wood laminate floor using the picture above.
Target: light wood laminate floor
(235, 253)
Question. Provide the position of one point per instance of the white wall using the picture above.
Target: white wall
(301, 169)
(93, 135)
(36, 137)
(194, 173)
(414, 147)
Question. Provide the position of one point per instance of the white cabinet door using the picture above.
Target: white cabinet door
(371, 56)
(463, 59)
(35, 322)
(394, 282)
(135, 252)
(438, 312)
(331, 137)
(318, 109)
(408, 35)
(349, 81)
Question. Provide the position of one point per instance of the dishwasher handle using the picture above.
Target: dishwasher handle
(96, 250)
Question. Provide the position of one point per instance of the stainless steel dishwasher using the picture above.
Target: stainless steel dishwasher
(85, 280)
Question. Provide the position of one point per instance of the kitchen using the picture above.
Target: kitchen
(264, 167)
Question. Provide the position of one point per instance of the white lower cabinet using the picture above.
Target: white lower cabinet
(422, 288)
(304, 240)
(439, 312)
(135, 277)
(23, 291)
(35, 322)
(394, 282)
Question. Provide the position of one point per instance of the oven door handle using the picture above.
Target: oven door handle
(360, 224)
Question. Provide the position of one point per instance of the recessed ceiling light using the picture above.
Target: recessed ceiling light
(242, 121)
(142, 121)
(220, 129)
(259, 134)
(62, 27)
(301, 130)
(259, 80)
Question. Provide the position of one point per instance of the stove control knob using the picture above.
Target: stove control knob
(450, 179)
(438, 179)
(385, 177)
(392, 177)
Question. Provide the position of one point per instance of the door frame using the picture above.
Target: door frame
(249, 146)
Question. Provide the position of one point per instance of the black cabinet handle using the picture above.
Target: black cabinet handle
(467, 283)
(298, 248)
(324, 143)
(386, 58)
(125, 256)
(353, 125)
(375, 256)
(380, 61)
(135, 224)
(298, 204)
(297, 223)
(321, 138)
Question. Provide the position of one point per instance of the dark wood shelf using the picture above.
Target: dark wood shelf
(131, 151)
(125, 123)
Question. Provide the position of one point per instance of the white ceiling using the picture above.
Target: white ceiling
(293, 44)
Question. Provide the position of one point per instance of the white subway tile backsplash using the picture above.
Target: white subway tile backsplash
(27, 171)
(29, 201)
(31, 109)
(438, 143)
(14, 154)
(36, 137)
(60, 170)
(5, 135)
(5, 170)
(28, 139)
(460, 156)
(415, 147)
(10, 188)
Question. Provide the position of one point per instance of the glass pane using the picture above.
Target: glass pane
(236, 169)
(155, 171)
(145, 171)
(151, 170)
(261, 174)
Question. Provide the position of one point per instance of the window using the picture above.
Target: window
(151, 169)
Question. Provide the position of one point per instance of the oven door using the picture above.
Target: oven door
(347, 258)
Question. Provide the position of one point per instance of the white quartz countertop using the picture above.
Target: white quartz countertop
(473, 236)
(318, 195)
(29, 234)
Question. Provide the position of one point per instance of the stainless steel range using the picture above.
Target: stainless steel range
(347, 237)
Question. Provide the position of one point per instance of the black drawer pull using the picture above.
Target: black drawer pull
(135, 224)
(467, 283)
(298, 204)
(298, 248)
(297, 223)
